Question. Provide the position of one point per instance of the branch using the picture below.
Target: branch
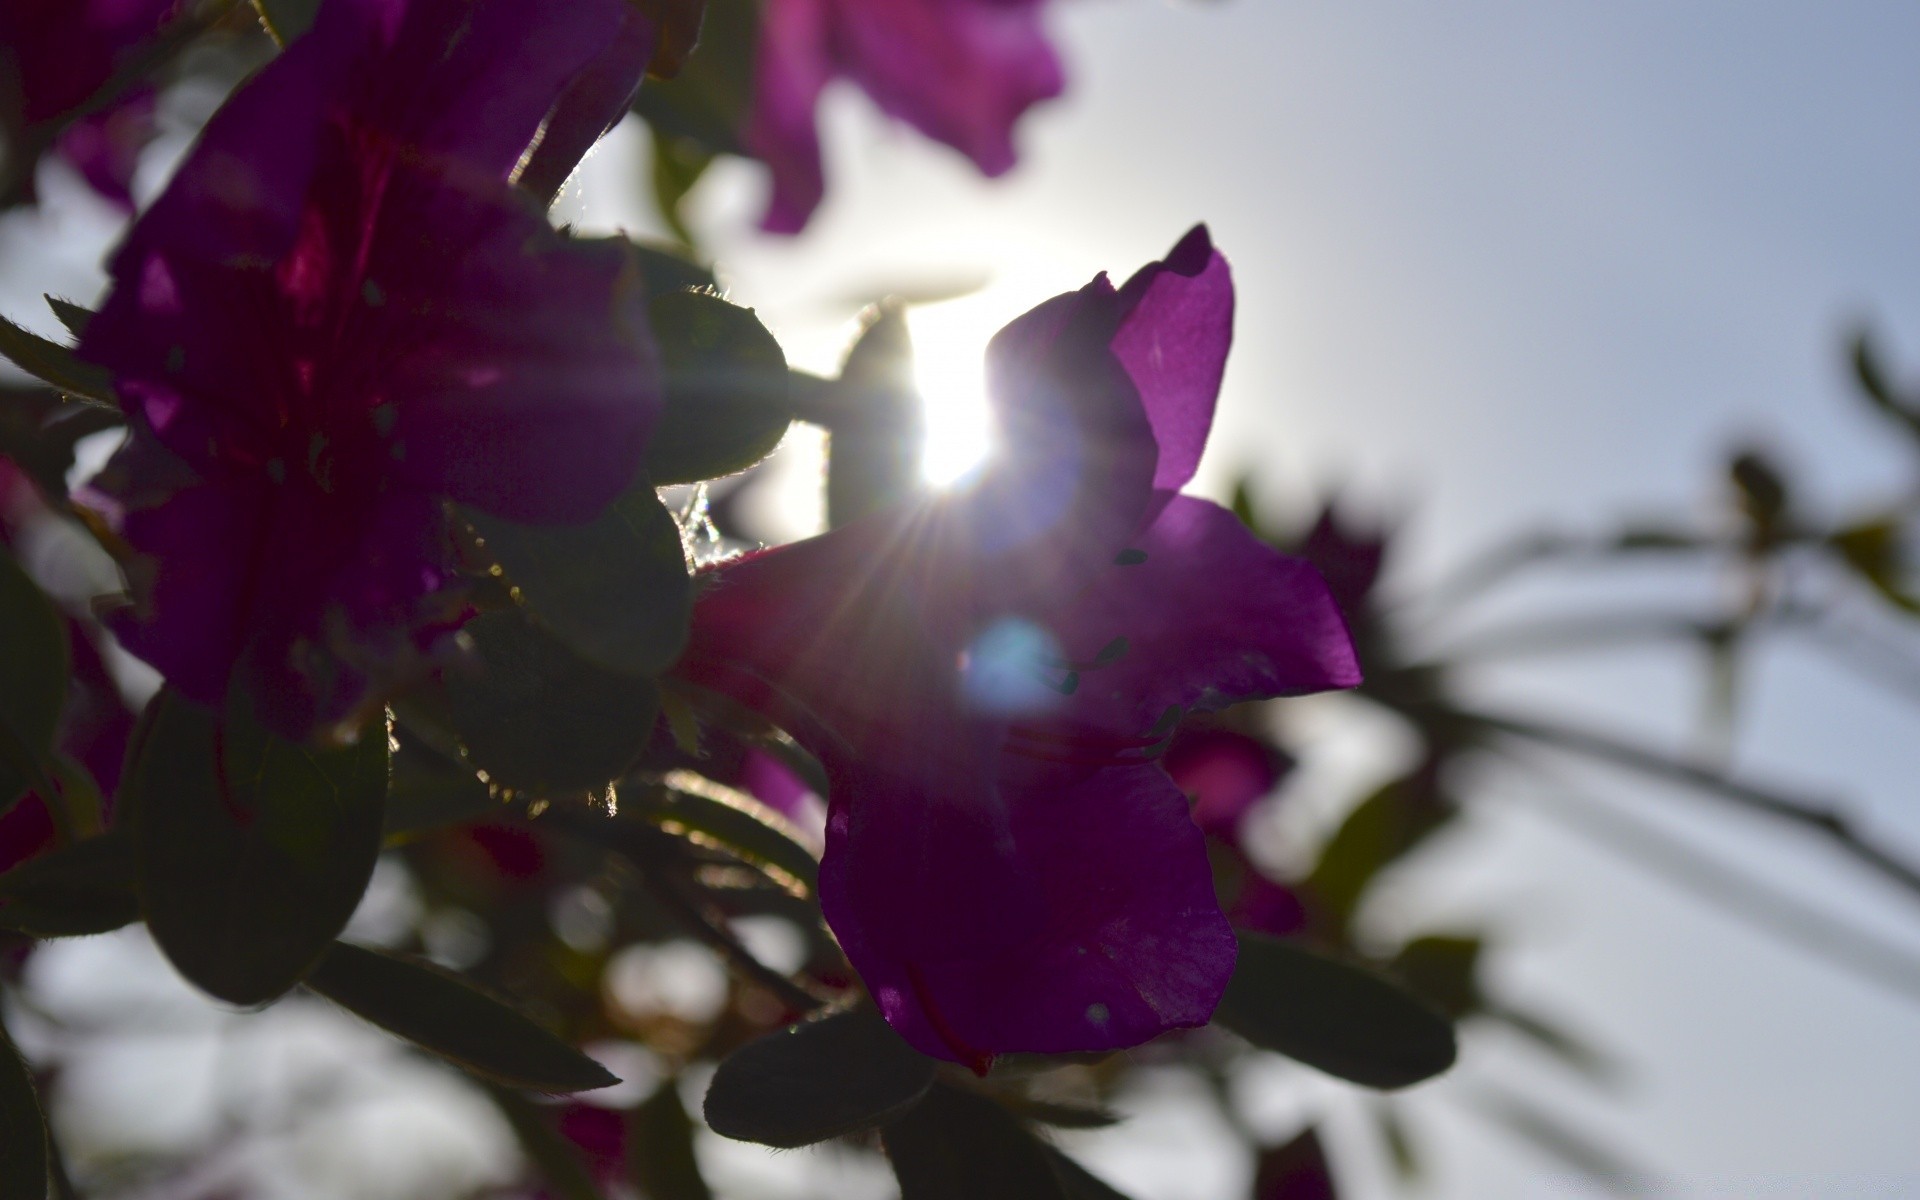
(1811, 814)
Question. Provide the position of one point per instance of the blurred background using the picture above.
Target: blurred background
(1502, 269)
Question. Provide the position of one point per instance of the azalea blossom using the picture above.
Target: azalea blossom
(60, 54)
(987, 677)
(338, 317)
(960, 71)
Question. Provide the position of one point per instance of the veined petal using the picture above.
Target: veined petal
(1174, 342)
(1211, 616)
(1111, 936)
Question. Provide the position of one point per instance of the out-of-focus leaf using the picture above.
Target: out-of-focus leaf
(1338, 1017)
(1527, 1120)
(660, 1157)
(874, 441)
(1571, 1050)
(253, 851)
(286, 20)
(428, 790)
(615, 591)
(678, 164)
(706, 102)
(677, 23)
(87, 887)
(55, 365)
(556, 1159)
(452, 1017)
(1761, 490)
(1297, 1170)
(959, 1145)
(726, 389)
(1879, 387)
(23, 1129)
(1398, 1140)
(1061, 1116)
(1873, 549)
(692, 806)
(39, 430)
(1378, 832)
(1442, 970)
(69, 314)
(535, 716)
(822, 1078)
(33, 680)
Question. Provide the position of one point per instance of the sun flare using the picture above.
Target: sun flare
(949, 348)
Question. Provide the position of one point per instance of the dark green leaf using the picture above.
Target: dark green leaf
(535, 716)
(706, 103)
(1880, 389)
(665, 269)
(1761, 488)
(1338, 1017)
(678, 164)
(287, 19)
(33, 680)
(660, 1159)
(1873, 548)
(1398, 1139)
(55, 365)
(822, 1078)
(553, 1156)
(252, 851)
(726, 382)
(1379, 831)
(1443, 971)
(691, 805)
(448, 1015)
(84, 888)
(959, 1145)
(614, 591)
(874, 444)
(1295, 1171)
(71, 315)
(23, 1130)
(429, 790)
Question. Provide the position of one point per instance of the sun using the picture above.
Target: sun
(949, 364)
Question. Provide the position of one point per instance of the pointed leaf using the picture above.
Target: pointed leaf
(660, 1157)
(693, 806)
(452, 1017)
(84, 888)
(286, 20)
(55, 365)
(959, 1145)
(822, 1078)
(1343, 1019)
(726, 382)
(33, 680)
(253, 851)
(24, 1159)
(534, 716)
(69, 314)
(614, 591)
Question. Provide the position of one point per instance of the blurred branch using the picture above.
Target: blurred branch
(1811, 814)
(1667, 855)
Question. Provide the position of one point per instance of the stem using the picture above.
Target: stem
(1825, 937)
(1814, 815)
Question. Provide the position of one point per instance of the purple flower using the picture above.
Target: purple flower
(59, 54)
(959, 71)
(986, 678)
(337, 318)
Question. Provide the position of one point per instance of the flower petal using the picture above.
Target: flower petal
(1211, 616)
(1174, 343)
(1224, 773)
(791, 69)
(1109, 935)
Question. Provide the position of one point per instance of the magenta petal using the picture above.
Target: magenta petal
(201, 544)
(596, 101)
(1174, 344)
(525, 380)
(105, 146)
(1211, 616)
(1115, 937)
(790, 71)
(1224, 773)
